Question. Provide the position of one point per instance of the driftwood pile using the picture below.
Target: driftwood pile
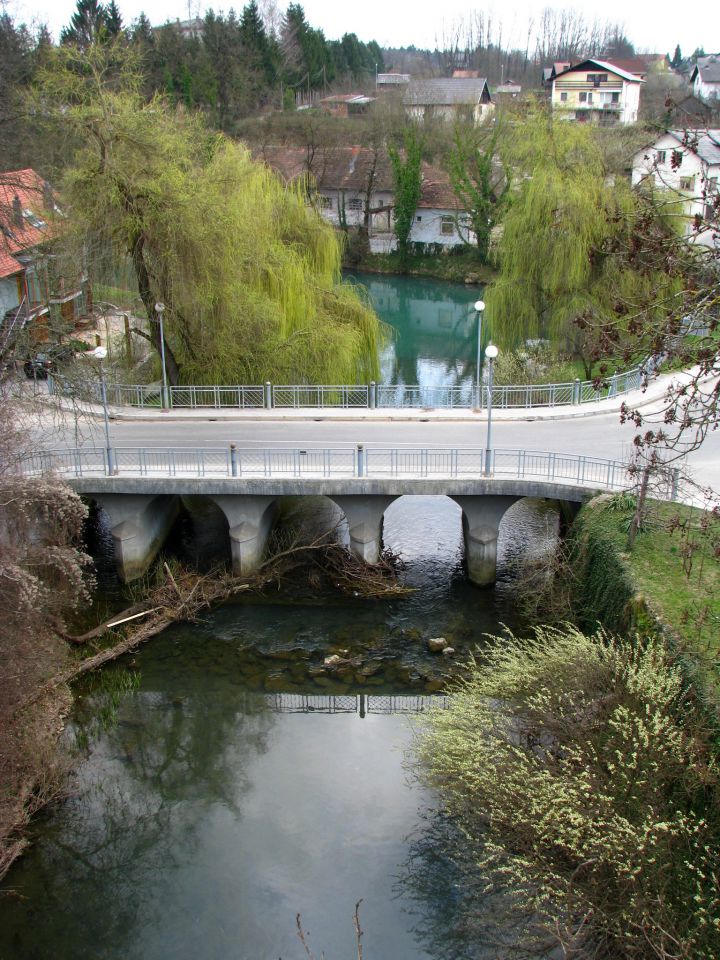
(184, 594)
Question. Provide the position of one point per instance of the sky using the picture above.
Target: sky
(652, 25)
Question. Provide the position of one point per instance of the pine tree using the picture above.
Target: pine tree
(676, 58)
(113, 19)
(87, 25)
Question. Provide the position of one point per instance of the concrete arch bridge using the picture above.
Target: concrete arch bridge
(140, 489)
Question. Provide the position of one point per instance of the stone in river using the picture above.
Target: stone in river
(437, 644)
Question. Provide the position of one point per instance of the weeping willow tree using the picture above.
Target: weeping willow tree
(248, 271)
(567, 257)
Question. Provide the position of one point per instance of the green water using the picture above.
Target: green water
(244, 782)
(434, 329)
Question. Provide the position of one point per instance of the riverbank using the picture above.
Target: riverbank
(668, 586)
(462, 267)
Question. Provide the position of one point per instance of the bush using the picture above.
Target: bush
(581, 772)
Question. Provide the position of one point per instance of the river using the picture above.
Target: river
(237, 786)
(434, 329)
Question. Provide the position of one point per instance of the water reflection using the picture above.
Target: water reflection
(434, 325)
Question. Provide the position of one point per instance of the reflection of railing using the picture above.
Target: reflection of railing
(361, 704)
(370, 396)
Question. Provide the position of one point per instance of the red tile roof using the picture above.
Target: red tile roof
(15, 238)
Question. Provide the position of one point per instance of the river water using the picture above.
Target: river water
(239, 784)
(434, 329)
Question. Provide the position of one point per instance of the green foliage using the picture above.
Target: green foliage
(250, 274)
(566, 255)
(479, 187)
(582, 776)
(674, 568)
(408, 185)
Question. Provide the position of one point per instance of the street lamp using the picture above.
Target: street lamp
(99, 354)
(479, 307)
(160, 310)
(491, 353)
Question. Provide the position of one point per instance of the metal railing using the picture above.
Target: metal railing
(349, 462)
(370, 396)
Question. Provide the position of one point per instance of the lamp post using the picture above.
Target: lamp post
(491, 353)
(479, 307)
(99, 354)
(160, 310)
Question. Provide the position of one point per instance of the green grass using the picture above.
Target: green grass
(683, 592)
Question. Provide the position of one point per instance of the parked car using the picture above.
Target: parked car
(38, 366)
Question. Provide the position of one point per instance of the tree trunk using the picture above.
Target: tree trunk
(146, 295)
(638, 516)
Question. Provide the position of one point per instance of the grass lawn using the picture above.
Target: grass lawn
(683, 590)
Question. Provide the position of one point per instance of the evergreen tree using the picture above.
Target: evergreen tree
(676, 58)
(87, 25)
(113, 19)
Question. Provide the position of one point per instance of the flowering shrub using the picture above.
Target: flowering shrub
(583, 776)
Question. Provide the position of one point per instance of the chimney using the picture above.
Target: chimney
(17, 213)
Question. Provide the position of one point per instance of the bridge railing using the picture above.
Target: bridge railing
(351, 462)
(357, 396)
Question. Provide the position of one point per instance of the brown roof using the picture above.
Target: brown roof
(348, 168)
(28, 190)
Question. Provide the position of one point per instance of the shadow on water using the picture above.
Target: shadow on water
(242, 784)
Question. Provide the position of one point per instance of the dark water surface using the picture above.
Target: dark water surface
(434, 325)
(240, 784)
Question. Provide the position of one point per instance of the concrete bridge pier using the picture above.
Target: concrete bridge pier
(365, 522)
(139, 524)
(481, 522)
(250, 519)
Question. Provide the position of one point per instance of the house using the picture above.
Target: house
(598, 92)
(345, 104)
(391, 81)
(28, 291)
(507, 91)
(549, 73)
(686, 164)
(705, 77)
(449, 99)
(354, 187)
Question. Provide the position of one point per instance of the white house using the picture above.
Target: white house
(687, 165)
(705, 78)
(353, 186)
(449, 98)
(598, 92)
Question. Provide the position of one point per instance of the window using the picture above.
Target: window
(660, 157)
(590, 97)
(326, 203)
(419, 219)
(687, 183)
(355, 203)
(615, 97)
(597, 78)
(583, 96)
(447, 226)
(563, 97)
